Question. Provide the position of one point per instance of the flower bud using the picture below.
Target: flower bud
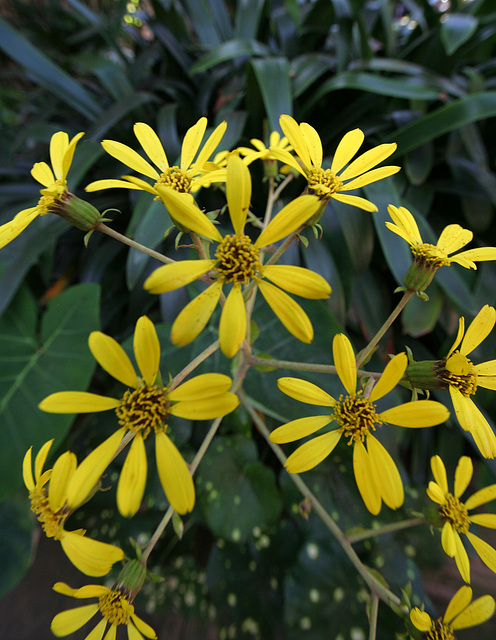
(424, 375)
(79, 213)
(131, 579)
(419, 276)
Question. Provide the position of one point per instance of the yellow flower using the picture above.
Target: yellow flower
(376, 474)
(69, 485)
(263, 152)
(144, 407)
(186, 178)
(336, 181)
(428, 258)
(455, 514)
(114, 606)
(237, 262)
(462, 378)
(461, 613)
(54, 182)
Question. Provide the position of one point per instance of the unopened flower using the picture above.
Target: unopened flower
(461, 613)
(455, 514)
(356, 415)
(56, 493)
(345, 174)
(145, 407)
(237, 262)
(428, 258)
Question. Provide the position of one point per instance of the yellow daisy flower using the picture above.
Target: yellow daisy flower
(186, 178)
(376, 474)
(262, 152)
(144, 407)
(343, 175)
(55, 191)
(69, 485)
(461, 613)
(114, 605)
(428, 258)
(455, 514)
(237, 262)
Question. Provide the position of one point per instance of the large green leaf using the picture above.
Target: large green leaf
(36, 362)
(272, 76)
(456, 30)
(229, 50)
(16, 526)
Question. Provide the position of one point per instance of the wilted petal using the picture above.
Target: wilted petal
(174, 475)
(195, 315)
(112, 358)
(297, 429)
(305, 392)
(310, 454)
(233, 323)
(132, 479)
(344, 359)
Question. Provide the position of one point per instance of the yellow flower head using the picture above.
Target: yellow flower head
(69, 485)
(145, 407)
(428, 258)
(344, 174)
(461, 613)
(114, 606)
(458, 374)
(262, 152)
(55, 190)
(455, 514)
(237, 262)
(188, 177)
(357, 418)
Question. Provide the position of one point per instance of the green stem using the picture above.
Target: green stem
(193, 364)
(256, 361)
(131, 243)
(374, 610)
(373, 583)
(365, 353)
(382, 530)
(282, 248)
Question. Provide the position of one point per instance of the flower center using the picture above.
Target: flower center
(439, 631)
(143, 409)
(427, 255)
(237, 259)
(456, 513)
(115, 607)
(176, 178)
(49, 202)
(323, 181)
(356, 417)
(52, 523)
(459, 371)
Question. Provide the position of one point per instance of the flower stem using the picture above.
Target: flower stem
(365, 353)
(387, 528)
(374, 610)
(132, 243)
(256, 361)
(373, 583)
(193, 364)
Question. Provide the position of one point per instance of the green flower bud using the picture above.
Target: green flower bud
(419, 276)
(79, 213)
(425, 375)
(131, 579)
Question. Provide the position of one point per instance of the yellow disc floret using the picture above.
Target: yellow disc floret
(455, 512)
(356, 417)
(143, 409)
(115, 607)
(459, 372)
(430, 256)
(323, 182)
(51, 522)
(175, 178)
(439, 631)
(237, 259)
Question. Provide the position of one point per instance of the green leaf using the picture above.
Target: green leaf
(420, 317)
(248, 15)
(16, 526)
(456, 30)
(39, 362)
(272, 76)
(229, 51)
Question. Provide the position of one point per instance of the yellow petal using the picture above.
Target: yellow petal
(206, 408)
(471, 419)
(345, 362)
(297, 429)
(91, 557)
(27, 469)
(284, 156)
(418, 414)
(459, 336)
(435, 493)
(132, 479)
(91, 468)
(71, 620)
(182, 208)
(369, 177)
(461, 558)
(88, 591)
(420, 619)
(195, 315)
(448, 539)
(203, 386)
(288, 311)
(238, 191)
(367, 160)
(463, 475)
(313, 143)
(406, 226)
(232, 326)
(191, 142)
(484, 550)
(355, 201)
(486, 369)
(112, 634)
(305, 392)
(386, 474)
(346, 149)
(151, 144)
(69, 154)
(296, 139)
(42, 173)
(439, 473)
(174, 475)
(10, 230)
(40, 459)
(482, 254)
(476, 613)
(112, 358)
(143, 628)
(289, 219)
(458, 603)
(298, 280)
(176, 274)
(485, 520)
(62, 471)
(130, 158)
(77, 402)
(146, 349)
(453, 237)
(390, 377)
(99, 185)
(310, 454)
(481, 497)
(364, 476)
(480, 327)
(58, 144)
(462, 406)
(210, 145)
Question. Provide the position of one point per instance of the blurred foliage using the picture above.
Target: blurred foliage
(419, 73)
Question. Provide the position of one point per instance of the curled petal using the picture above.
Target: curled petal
(305, 392)
(146, 349)
(435, 493)
(62, 472)
(404, 225)
(132, 479)
(297, 429)
(40, 459)
(344, 359)
(311, 453)
(27, 469)
(420, 619)
(174, 475)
